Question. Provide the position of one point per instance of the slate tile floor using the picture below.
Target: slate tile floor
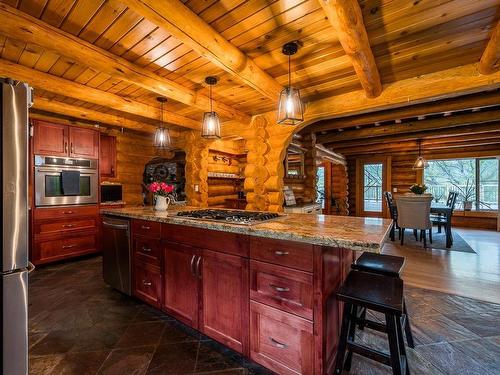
(80, 326)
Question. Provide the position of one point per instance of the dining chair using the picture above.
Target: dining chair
(394, 214)
(414, 213)
(440, 220)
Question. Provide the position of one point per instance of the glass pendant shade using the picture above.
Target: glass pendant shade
(290, 108)
(420, 163)
(162, 138)
(211, 125)
(162, 134)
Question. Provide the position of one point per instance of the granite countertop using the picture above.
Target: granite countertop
(355, 233)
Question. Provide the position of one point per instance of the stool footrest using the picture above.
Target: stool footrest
(376, 326)
(367, 352)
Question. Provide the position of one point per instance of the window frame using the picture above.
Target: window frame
(477, 178)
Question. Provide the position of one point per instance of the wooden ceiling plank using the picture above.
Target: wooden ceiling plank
(186, 26)
(490, 60)
(34, 31)
(412, 126)
(89, 94)
(346, 17)
(80, 15)
(56, 11)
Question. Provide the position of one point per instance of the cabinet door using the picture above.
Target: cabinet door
(83, 143)
(147, 283)
(50, 139)
(224, 314)
(107, 156)
(181, 282)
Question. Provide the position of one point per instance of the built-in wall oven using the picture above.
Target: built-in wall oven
(63, 181)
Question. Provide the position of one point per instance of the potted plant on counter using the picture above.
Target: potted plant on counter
(161, 190)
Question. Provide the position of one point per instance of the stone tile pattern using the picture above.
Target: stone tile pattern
(355, 233)
(79, 325)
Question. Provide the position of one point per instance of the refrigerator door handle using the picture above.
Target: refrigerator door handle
(31, 267)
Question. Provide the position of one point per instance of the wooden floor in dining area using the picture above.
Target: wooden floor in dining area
(475, 275)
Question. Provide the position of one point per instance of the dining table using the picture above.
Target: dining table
(446, 211)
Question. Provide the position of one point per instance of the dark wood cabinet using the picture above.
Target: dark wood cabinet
(50, 139)
(107, 156)
(83, 143)
(63, 140)
(181, 287)
(224, 312)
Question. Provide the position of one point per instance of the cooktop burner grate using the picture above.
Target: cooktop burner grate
(230, 216)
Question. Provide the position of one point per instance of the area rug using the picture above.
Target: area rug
(438, 241)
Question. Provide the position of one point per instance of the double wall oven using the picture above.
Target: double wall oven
(61, 181)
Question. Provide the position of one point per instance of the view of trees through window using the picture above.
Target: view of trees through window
(372, 194)
(320, 186)
(475, 180)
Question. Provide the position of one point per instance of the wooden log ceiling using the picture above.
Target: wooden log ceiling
(115, 56)
(490, 60)
(347, 19)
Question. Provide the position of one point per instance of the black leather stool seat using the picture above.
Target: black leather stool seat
(382, 264)
(376, 292)
(384, 294)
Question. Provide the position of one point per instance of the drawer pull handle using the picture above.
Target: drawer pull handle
(279, 288)
(281, 253)
(147, 283)
(67, 212)
(68, 246)
(145, 227)
(68, 225)
(146, 249)
(278, 344)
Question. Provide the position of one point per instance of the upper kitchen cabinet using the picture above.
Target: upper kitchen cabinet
(63, 140)
(107, 156)
(83, 143)
(50, 139)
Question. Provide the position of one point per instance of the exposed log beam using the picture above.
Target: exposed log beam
(439, 135)
(189, 28)
(64, 109)
(444, 84)
(23, 27)
(490, 60)
(411, 127)
(412, 147)
(450, 105)
(347, 19)
(78, 91)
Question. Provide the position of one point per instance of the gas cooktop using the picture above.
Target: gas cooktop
(230, 216)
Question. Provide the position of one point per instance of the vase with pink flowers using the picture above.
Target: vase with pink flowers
(161, 190)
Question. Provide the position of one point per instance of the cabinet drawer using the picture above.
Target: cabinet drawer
(65, 212)
(151, 229)
(280, 341)
(46, 227)
(147, 283)
(64, 247)
(285, 253)
(284, 288)
(147, 250)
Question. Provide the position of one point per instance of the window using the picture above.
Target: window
(372, 187)
(475, 180)
(320, 186)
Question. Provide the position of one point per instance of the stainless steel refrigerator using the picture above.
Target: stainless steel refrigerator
(15, 99)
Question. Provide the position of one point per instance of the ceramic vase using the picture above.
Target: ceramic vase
(161, 203)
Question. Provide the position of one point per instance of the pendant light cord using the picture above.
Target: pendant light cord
(289, 73)
(211, 109)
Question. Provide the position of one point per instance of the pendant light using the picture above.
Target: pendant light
(162, 134)
(290, 108)
(420, 163)
(211, 123)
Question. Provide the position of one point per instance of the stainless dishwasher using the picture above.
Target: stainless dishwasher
(116, 253)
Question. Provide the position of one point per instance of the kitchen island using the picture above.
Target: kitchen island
(266, 290)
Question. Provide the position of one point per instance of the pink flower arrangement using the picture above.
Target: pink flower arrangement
(161, 188)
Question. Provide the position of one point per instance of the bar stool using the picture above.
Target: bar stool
(386, 265)
(378, 293)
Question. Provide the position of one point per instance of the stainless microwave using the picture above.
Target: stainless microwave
(53, 173)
